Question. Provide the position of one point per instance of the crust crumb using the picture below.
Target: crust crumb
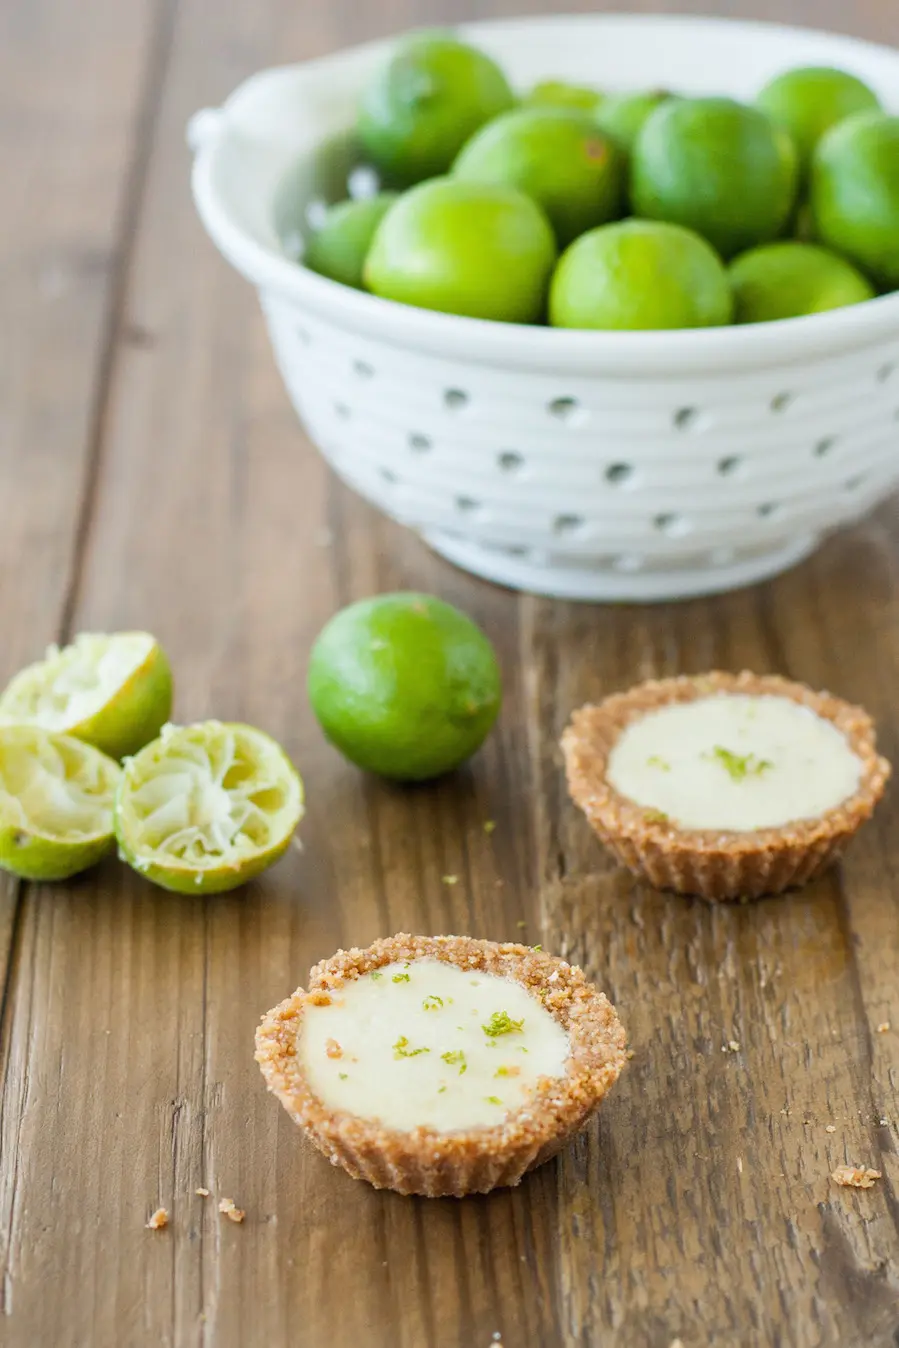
(231, 1211)
(829, 1128)
(318, 998)
(855, 1177)
(450, 879)
(159, 1220)
(333, 1049)
(204, 1193)
(884, 1027)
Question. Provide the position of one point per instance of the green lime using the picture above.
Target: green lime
(562, 94)
(855, 194)
(786, 280)
(464, 248)
(558, 158)
(207, 807)
(56, 799)
(809, 101)
(112, 691)
(640, 274)
(338, 249)
(718, 167)
(404, 685)
(622, 116)
(422, 106)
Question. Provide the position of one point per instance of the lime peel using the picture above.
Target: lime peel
(56, 800)
(112, 691)
(207, 807)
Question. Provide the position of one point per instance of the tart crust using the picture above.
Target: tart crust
(424, 1160)
(715, 864)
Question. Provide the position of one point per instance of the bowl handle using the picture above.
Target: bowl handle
(203, 127)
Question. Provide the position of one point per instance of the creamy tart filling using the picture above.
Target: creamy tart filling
(426, 1043)
(734, 761)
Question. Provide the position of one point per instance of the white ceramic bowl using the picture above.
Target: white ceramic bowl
(580, 464)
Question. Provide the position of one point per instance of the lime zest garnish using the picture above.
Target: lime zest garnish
(489, 826)
(343, 1075)
(655, 816)
(654, 761)
(432, 1003)
(502, 1023)
(455, 1058)
(376, 973)
(401, 978)
(440, 1090)
(740, 766)
(401, 1049)
(493, 1099)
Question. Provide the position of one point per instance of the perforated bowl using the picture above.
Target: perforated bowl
(579, 464)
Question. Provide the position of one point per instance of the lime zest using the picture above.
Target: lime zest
(493, 1099)
(401, 978)
(455, 1058)
(740, 766)
(401, 1049)
(502, 1023)
(432, 1003)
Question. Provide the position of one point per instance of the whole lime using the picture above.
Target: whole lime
(809, 101)
(338, 249)
(477, 249)
(558, 158)
(563, 94)
(404, 685)
(718, 167)
(787, 280)
(855, 194)
(422, 106)
(622, 116)
(640, 274)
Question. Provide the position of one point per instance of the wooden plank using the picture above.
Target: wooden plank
(131, 1013)
(70, 83)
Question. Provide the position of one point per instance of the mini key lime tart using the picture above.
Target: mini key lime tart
(441, 1065)
(727, 786)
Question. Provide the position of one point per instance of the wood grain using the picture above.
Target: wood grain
(160, 480)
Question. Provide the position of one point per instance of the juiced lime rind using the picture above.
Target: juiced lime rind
(56, 800)
(207, 807)
(112, 691)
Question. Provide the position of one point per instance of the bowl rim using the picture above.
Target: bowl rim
(522, 346)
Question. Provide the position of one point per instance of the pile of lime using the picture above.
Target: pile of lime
(638, 210)
(196, 809)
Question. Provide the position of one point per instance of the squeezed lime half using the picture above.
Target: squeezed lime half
(112, 691)
(56, 802)
(207, 807)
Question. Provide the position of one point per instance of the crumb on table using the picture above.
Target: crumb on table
(855, 1177)
(884, 1027)
(204, 1193)
(231, 1211)
(159, 1220)
(829, 1128)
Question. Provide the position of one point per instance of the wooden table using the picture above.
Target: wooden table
(153, 474)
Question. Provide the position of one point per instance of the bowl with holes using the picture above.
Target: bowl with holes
(589, 465)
